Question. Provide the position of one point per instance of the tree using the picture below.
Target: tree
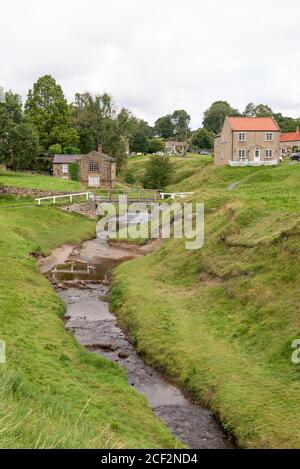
(250, 110)
(139, 142)
(48, 111)
(215, 115)
(164, 127)
(95, 120)
(202, 139)
(181, 121)
(286, 124)
(158, 172)
(19, 144)
(260, 110)
(155, 145)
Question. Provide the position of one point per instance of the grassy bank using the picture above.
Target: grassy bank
(38, 181)
(183, 167)
(52, 392)
(221, 320)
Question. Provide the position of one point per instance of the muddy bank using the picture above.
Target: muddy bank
(89, 318)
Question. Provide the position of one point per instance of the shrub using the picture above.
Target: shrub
(129, 177)
(74, 170)
(158, 173)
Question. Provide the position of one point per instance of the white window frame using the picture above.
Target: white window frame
(269, 136)
(93, 166)
(65, 168)
(244, 151)
(242, 137)
(269, 153)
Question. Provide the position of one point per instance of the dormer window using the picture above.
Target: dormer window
(269, 136)
(93, 166)
(242, 137)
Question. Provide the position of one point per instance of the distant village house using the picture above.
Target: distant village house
(248, 141)
(289, 142)
(95, 169)
(176, 148)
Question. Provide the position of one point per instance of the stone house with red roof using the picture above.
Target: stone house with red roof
(289, 141)
(95, 169)
(247, 141)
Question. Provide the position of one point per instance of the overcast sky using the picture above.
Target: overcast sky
(155, 56)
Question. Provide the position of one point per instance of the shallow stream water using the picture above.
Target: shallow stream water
(81, 279)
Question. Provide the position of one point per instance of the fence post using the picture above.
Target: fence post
(71, 198)
(87, 196)
(54, 200)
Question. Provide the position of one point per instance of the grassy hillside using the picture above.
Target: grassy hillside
(183, 167)
(221, 320)
(53, 392)
(38, 181)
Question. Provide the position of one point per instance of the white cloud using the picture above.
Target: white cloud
(157, 56)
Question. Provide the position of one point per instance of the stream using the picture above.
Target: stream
(81, 277)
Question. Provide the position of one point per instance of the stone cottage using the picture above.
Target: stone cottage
(95, 169)
(248, 141)
(176, 148)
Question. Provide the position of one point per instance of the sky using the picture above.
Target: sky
(155, 56)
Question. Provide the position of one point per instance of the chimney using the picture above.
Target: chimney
(99, 149)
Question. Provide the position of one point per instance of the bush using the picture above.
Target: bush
(74, 170)
(158, 173)
(129, 177)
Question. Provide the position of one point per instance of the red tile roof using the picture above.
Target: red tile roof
(290, 137)
(264, 124)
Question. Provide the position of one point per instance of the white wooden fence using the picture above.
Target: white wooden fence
(173, 195)
(70, 196)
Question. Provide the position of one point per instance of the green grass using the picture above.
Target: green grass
(38, 181)
(221, 320)
(183, 167)
(52, 392)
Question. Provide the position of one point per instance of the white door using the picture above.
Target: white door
(94, 181)
(257, 154)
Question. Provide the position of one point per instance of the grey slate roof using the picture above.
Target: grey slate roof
(65, 159)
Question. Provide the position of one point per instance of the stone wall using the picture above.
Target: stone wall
(18, 191)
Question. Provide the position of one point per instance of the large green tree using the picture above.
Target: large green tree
(215, 115)
(181, 120)
(95, 120)
(202, 139)
(164, 127)
(47, 109)
(19, 144)
(260, 110)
